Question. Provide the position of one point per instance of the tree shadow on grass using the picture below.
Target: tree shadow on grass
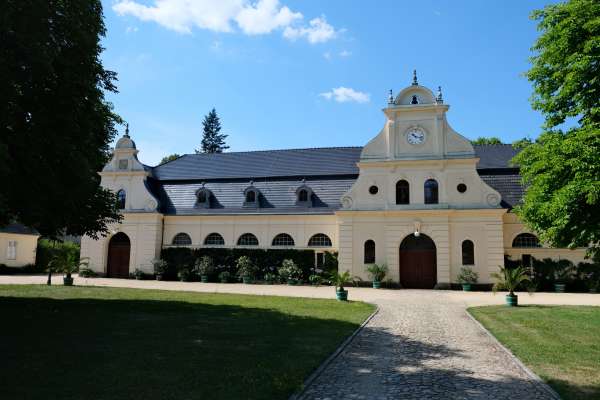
(149, 349)
(411, 369)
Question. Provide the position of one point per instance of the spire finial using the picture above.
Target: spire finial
(439, 99)
(127, 129)
(391, 98)
(415, 82)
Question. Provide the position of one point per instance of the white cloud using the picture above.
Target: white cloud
(131, 29)
(345, 95)
(317, 31)
(345, 53)
(251, 18)
(327, 55)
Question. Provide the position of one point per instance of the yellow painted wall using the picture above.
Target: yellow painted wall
(26, 249)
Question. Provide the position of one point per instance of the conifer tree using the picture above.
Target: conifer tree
(213, 141)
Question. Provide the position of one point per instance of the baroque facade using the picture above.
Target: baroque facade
(418, 197)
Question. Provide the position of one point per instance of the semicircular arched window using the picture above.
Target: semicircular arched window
(369, 257)
(431, 191)
(526, 240)
(319, 240)
(182, 239)
(402, 192)
(121, 199)
(214, 239)
(247, 239)
(468, 252)
(283, 239)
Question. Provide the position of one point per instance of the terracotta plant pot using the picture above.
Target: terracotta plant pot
(512, 300)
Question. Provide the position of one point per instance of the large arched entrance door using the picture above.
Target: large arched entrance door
(418, 262)
(117, 265)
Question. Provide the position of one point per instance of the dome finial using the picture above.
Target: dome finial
(415, 82)
(126, 130)
(439, 98)
(391, 98)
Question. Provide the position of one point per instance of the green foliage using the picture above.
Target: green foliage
(226, 259)
(204, 266)
(341, 280)
(245, 267)
(225, 276)
(49, 249)
(160, 266)
(522, 143)
(212, 140)
(289, 270)
(87, 273)
(483, 140)
(315, 279)
(377, 272)
(168, 158)
(467, 275)
(561, 169)
(331, 261)
(138, 274)
(55, 123)
(509, 279)
(271, 277)
(67, 262)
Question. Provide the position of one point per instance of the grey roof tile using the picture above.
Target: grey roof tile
(19, 229)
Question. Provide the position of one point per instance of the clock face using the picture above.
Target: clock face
(415, 136)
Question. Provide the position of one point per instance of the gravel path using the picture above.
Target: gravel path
(422, 345)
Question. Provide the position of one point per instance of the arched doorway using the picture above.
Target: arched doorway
(418, 262)
(117, 265)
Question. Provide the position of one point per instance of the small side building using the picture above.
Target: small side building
(18, 245)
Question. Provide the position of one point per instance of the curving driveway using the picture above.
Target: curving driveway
(420, 345)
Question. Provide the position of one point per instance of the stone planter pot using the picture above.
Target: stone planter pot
(376, 284)
(292, 282)
(559, 287)
(204, 278)
(159, 277)
(512, 300)
(341, 295)
(466, 287)
(68, 281)
(247, 279)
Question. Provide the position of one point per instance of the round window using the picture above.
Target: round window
(461, 187)
(373, 189)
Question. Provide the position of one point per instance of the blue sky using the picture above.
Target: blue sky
(293, 74)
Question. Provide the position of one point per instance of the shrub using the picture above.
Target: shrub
(245, 267)
(225, 276)
(289, 270)
(467, 276)
(377, 272)
(271, 277)
(48, 249)
(204, 266)
(87, 273)
(160, 266)
(138, 274)
(315, 279)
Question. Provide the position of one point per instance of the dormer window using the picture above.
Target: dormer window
(304, 195)
(414, 100)
(123, 164)
(203, 197)
(251, 196)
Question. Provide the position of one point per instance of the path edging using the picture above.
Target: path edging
(536, 379)
(299, 395)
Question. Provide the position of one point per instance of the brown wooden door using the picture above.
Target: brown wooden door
(118, 256)
(418, 268)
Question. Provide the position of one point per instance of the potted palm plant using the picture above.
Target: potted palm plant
(377, 273)
(204, 267)
(160, 268)
(246, 269)
(467, 277)
(68, 263)
(509, 279)
(340, 281)
(562, 274)
(290, 272)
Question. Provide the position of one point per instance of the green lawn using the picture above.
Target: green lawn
(559, 343)
(108, 343)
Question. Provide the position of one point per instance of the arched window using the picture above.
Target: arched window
(283, 239)
(369, 252)
(214, 239)
(121, 199)
(319, 240)
(526, 240)
(303, 195)
(247, 239)
(468, 252)
(431, 191)
(182, 239)
(402, 192)
(250, 196)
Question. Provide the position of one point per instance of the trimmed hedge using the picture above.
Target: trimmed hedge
(178, 258)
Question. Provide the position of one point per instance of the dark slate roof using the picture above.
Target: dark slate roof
(18, 229)
(330, 172)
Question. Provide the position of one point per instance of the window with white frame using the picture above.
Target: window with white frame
(11, 251)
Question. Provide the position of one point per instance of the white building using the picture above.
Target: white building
(418, 197)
